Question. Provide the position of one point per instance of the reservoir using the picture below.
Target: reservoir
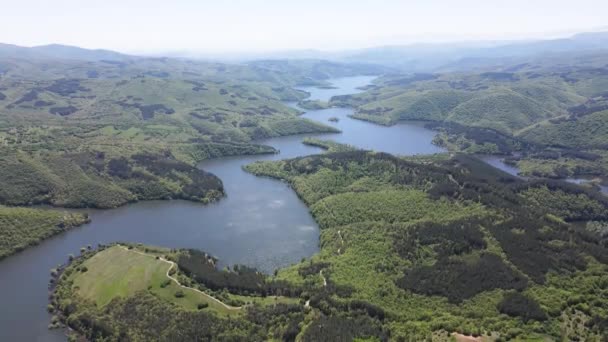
(261, 222)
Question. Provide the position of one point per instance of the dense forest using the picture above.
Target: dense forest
(394, 232)
(397, 231)
(24, 227)
(96, 180)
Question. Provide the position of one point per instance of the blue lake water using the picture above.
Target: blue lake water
(260, 223)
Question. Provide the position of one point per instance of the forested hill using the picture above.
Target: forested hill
(412, 249)
(449, 244)
(101, 132)
(554, 114)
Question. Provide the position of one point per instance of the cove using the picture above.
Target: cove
(260, 223)
(498, 162)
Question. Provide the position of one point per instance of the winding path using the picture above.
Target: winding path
(173, 264)
(323, 277)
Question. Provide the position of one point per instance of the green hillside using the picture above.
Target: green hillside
(505, 102)
(24, 227)
(102, 133)
(95, 180)
(528, 110)
(504, 246)
(411, 249)
(586, 132)
(426, 105)
(503, 111)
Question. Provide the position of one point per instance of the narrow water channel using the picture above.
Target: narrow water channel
(498, 162)
(260, 223)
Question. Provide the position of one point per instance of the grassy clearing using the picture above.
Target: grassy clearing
(116, 272)
(119, 272)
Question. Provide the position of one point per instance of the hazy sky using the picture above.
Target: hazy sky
(264, 25)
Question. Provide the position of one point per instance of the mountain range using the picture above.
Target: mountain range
(423, 57)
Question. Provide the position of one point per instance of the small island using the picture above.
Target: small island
(329, 145)
(313, 104)
(333, 119)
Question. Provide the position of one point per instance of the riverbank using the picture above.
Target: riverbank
(499, 163)
(254, 217)
(27, 227)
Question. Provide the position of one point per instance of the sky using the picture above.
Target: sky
(216, 26)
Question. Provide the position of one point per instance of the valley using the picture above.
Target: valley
(301, 200)
(393, 231)
(274, 215)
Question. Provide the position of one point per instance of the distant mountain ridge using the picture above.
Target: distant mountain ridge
(435, 57)
(420, 57)
(59, 51)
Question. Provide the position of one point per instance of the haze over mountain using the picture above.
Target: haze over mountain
(420, 57)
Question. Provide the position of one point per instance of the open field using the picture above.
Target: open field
(121, 272)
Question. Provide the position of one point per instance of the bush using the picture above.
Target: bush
(519, 305)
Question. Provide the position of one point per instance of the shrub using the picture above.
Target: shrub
(519, 305)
